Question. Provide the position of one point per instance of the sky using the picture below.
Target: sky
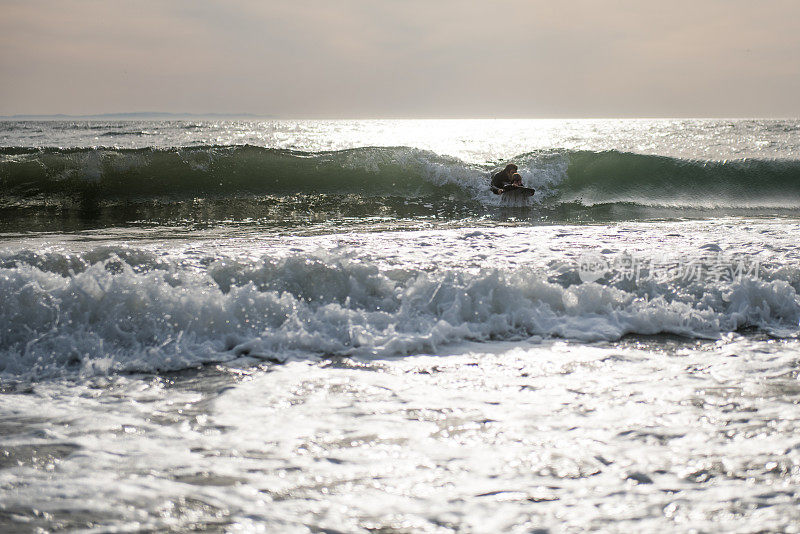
(402, 58)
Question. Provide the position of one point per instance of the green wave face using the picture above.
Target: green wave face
(606, 177)
(215, 183)
(217, 170)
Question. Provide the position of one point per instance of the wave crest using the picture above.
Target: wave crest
(388, 176)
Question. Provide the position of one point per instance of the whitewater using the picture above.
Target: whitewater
(306, 326)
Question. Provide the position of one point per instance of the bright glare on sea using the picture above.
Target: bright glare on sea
(334, 326)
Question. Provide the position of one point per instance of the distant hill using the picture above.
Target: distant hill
(138, 116)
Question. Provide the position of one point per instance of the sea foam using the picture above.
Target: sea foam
(102, 312)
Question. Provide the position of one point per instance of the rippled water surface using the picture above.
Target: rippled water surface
(333, 326)
(645, 434)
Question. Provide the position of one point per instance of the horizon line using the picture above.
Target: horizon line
(258, 116)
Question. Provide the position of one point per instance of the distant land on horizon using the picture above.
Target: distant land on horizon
(143, 115)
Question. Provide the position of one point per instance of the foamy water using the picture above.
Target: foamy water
(313, 334)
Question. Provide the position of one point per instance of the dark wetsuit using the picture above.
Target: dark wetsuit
(501, 180)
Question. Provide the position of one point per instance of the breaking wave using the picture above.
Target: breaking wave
(386, 177)
(118, 309)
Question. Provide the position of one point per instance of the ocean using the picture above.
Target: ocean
(334, 326)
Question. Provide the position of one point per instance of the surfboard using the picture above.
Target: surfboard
(518, 192)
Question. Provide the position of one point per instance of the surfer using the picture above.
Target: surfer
(510, 181)
(503, 179)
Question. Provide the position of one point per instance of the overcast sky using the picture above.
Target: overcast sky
(403, 58)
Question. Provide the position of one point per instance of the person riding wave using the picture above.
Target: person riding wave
(504, 179)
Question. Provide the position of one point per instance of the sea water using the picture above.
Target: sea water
(335, 326)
